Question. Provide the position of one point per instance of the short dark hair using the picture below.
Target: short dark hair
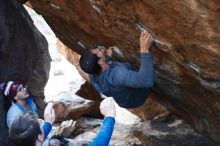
(89, 63)
(25, 129)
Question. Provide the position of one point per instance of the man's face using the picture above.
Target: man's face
(22, 92)
(101, 53)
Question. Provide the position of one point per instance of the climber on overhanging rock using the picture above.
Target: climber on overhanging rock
(129, 88)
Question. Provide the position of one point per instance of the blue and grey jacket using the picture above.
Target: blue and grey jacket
(16, 110)
(129, 88)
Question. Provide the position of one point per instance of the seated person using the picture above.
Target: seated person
(25, 130)
(128, 87)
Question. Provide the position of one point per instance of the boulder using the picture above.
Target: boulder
(186, 53)
(66, 110)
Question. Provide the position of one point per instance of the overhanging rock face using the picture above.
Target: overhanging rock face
(188, 72)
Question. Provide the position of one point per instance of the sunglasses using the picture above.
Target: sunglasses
(21, 87)
(100, 46)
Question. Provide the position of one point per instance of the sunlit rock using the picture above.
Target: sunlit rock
(72, 108)
(149, 110)
(66, 128)
(168, 133)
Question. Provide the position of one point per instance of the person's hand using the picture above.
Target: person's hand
(146, 40)
(49, 113)
(78, 68)
(109, 51)
(82, 73)
(107, 107)
(54, 142)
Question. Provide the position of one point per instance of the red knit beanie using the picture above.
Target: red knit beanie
(10, 89)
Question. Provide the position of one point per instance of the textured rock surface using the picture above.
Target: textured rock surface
(88, 128)
(66, 128)
(188, 81)
(72, 110)
(3, 125)
(149, 110)
(169, 133)
(87, 91)
(69, 54)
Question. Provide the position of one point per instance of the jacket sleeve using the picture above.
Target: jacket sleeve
(105, 133)
(95, 84)
(46, 128)
(92, 80)
(13, 112)
(144, 78)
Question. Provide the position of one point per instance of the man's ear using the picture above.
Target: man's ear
(40, 137)
(100, 61)
(15, 98)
